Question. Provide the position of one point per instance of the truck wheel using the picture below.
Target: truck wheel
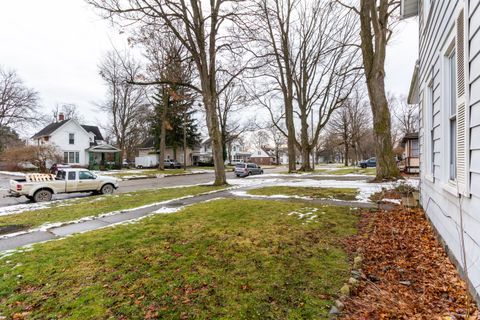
(42, 195)
(107, 189)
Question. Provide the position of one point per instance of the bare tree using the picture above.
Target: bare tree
(126, 104)
(270, 26)
(202, 28)
(233, 124)
(278, 140)
(69, 111)
(350, 124)
(376, 18)
(18, 103)
(405, 117)
(314, 63)
(36, 155)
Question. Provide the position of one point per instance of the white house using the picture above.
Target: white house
(237, 153)
(446, 84)
(81, 145)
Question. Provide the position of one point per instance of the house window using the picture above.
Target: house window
(259, 153)
(431, 116)
(452, 113)
(415, 150)
(71, 138)
(71, 157)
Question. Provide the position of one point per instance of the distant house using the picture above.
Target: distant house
(203, 154)
(237, 153)
(411, 153)
(148, 150)
(262, 157)
(446, 85)
(81, 145)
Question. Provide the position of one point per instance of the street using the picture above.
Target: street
(125, 186)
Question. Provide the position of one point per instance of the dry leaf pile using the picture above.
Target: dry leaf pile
(406, 273)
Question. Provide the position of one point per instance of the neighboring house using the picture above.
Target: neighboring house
(411, 153)
(237, 152)
(148, 151)
(203, 154)
(81, 145)
(446, 84)
(262, 157)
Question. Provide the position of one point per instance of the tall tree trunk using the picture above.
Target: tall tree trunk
(185, 140)
(163, 133)
(292, 167)
(346, 153)
(306, 150)
(374, 36)
(215, 135)
(386, 164)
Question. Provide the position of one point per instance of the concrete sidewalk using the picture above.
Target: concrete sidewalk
(13, 241)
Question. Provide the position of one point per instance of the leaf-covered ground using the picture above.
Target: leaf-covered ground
(407, 274)
(224, 259)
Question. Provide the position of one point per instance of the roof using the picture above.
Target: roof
(408, 8)
(148, 143)
(52, 127)
(48, 130)
(95, 130)
(410, 136)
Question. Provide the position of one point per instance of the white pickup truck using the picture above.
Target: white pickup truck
(39, 188)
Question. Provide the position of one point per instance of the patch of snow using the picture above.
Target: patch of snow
(395, 201)
(19, 208)
(214, 199)
(309, 214)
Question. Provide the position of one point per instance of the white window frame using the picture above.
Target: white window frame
(448, 185)
(70, 133)
(429, 117)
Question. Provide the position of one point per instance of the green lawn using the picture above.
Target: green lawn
(227, 259)
(96, 205)
(317, 193)
(354, 170)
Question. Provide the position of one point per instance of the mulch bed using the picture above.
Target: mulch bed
(406, 273)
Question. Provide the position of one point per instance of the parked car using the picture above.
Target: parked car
(41, 187)
(370, 163)
(172, 164)
(247, 169)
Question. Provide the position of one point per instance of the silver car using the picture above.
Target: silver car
(246, 169)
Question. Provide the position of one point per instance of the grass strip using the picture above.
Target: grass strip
(225, 259)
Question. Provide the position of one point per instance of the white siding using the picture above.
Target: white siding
(82, 140)
(443, 207)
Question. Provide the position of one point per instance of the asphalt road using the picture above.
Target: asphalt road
(125, 186)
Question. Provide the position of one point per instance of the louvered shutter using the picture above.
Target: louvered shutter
(462, 125)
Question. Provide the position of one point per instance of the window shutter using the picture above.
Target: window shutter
(462, 126)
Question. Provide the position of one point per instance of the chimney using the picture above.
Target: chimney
(61, 116)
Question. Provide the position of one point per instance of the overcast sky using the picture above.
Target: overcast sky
(55, 47)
